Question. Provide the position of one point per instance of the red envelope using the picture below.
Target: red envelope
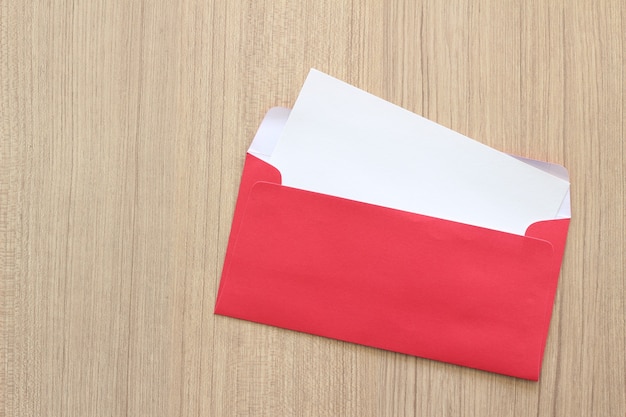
(390, 279)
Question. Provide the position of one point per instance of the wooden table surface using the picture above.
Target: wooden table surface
(124, 126)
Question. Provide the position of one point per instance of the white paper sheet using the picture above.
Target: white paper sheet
(342, 141)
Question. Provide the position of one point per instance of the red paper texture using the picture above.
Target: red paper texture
(390, 279)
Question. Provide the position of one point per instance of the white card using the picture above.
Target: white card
(342, 141)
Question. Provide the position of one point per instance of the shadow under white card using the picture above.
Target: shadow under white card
(342, 141)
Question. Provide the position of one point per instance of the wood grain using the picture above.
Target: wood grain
(123, 129)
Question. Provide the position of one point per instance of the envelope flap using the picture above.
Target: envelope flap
(255, 170)
(554, 231)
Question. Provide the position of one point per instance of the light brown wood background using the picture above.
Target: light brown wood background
(124, 126)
